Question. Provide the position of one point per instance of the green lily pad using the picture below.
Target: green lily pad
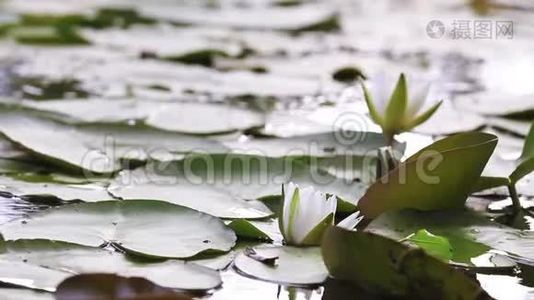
(308, 262)
(198, 118)
(471, 235)
(68, 192)
(230, 177)
(207, 199)
(294, 19)
(385, 266)
(448, 120)
(514, 126)
(330, 144)
(434, 245)
(176, 44)
(95, 149)
(147, 228)
(90, 110)
(43, 264)
(492, 104)
(190, 118)
(440, 176)
(49, 36)
(256, 229)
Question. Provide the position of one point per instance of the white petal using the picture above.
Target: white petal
(304, 221)
(381, 88)
(351, 221)
(417, 96)
(289, 190)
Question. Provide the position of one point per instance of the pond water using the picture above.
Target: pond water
(278, 58)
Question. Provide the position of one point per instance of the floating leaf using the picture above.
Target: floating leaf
(68, 192)
(256, 230)
(148, 228)
(43, 264)
(440, 176)
(448, 120)
(391, 268)
(491, 103)
(197, 118)
(434, 245)
(471, 235)
(294, 19)
(190, 118)
(232, 178)
(146, 184)
(307, 261)
(95, 149)
(49, 36)
(329, 144)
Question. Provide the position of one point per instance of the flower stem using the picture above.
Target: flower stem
(516, 204)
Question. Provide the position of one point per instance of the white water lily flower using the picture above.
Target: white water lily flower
(306, 214)
(351, 221)
(395, 108)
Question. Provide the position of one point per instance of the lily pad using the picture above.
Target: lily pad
(197, 118)
(90, 110)
(217, 202)
(330, 144)
(514, 126)
(190, 118)
(147, 228)
(307, 261)
(385, 266)
(434, 245)
(453, 167)
(257, 229)
(492, 104)
(299, 18)
(43, 264)
(471, 235)
(96, 149)
(449, 120)
(111, 74)
(67, 192)
(237, 177)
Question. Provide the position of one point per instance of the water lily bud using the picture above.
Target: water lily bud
(399, 111)
(306, 214)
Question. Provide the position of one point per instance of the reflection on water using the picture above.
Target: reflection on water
(239, 287)
(12, 208)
